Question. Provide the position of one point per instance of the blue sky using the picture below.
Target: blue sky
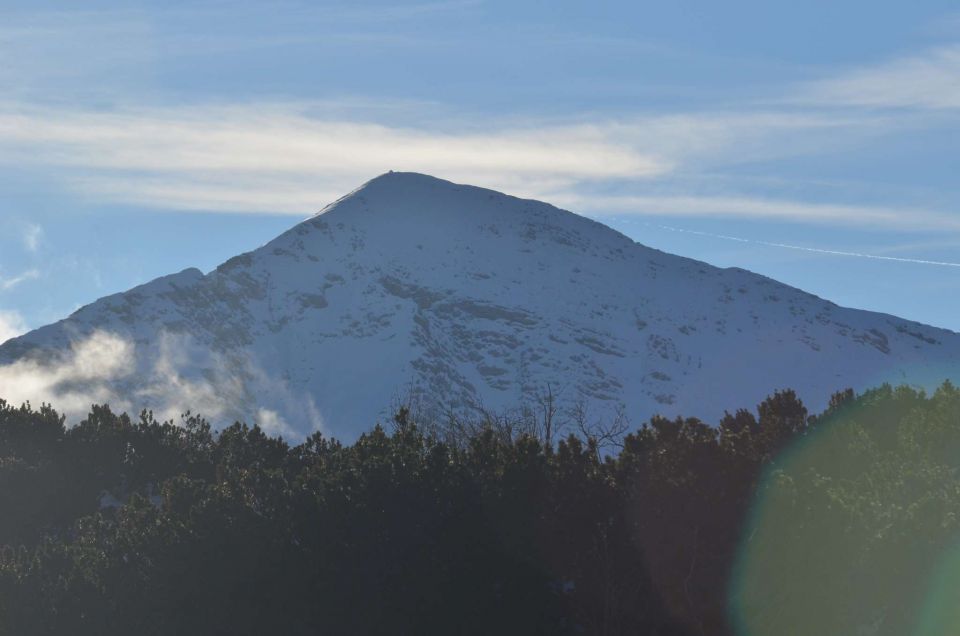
(814, 142)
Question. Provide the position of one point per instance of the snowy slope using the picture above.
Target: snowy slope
(472, 297)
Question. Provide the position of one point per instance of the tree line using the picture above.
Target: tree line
(766, 522)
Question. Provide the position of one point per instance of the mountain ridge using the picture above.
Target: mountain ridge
(414, 286)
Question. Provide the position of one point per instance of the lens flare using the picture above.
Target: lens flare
(856, 528)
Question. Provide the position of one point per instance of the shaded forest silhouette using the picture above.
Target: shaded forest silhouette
(134, 526)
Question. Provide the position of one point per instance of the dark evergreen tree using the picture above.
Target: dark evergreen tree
(827, 524)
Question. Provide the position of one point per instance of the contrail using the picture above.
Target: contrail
(817, 250)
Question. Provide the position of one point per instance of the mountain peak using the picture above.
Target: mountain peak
(463, 298)
(397, 186)
(430, 203)
(431, 214)
(392, 184)
(399, 176)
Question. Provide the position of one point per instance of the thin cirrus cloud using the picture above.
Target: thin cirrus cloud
(278, 158)
(7, 284)
(929, 81)
(257, 140)
(32, 237)
(284, 159)
(771, 209)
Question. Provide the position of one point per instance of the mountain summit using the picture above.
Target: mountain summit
(463, 298)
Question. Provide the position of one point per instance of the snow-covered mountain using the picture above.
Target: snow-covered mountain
(413, 285)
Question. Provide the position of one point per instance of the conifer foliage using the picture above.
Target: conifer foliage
(123, 526)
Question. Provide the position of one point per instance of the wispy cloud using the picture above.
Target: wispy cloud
(294, 157)
(929, 80)
(7, 284)
(287, 159)
(54, 52)
(32, 237)
(768, 208)
(276, 158)
(11, 325)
